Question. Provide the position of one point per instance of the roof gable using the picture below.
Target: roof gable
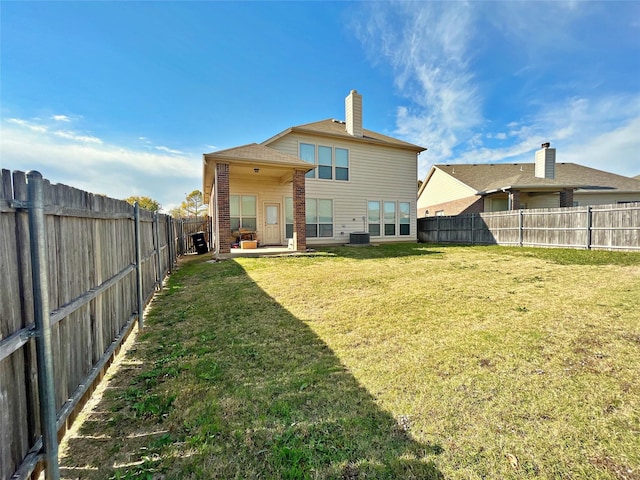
(255, 153)
(337, 129)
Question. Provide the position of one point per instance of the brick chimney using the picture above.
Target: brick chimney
(353, 113)
(546, 162)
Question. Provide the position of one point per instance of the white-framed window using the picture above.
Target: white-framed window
(319, 217)
(404, 218)
(288, 217)
(388, 218)
(308, 154)
(331, 163)
(242, 212)
(373, 217)
(325, 162)
(342, 164)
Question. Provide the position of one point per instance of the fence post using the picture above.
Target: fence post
(473, 216)
(156, 246)
(136, 215)
(521, 227)
(170, 242)
(42, 317)
(589, 225)
(437, 229)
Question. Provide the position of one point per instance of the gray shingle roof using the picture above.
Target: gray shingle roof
(258, 153)
(337, 128)
(488, 177)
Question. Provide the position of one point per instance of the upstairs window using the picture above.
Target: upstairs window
(342, 164)
(325, 162)
(308, 154)
(332, 163)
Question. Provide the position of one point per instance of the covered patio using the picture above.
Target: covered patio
(256, 198)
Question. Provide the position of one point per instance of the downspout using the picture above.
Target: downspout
(216, 227)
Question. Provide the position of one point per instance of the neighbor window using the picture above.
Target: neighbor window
(319, 217)
(242, 210)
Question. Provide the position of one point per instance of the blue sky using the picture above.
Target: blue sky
(122, 98)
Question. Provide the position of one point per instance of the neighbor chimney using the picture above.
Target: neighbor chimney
(546, 162)
(353, 107)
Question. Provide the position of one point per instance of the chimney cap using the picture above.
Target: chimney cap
(546, 145)
(354, 91)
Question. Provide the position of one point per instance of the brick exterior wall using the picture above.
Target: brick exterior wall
(299, 211)
(223, 211)
(514, 199)
(473, 204)
(566, 197)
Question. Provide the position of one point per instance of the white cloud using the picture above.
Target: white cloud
(602, 134)
(169, 150)
(428, 46)
(104, 168)
(26, 124)
(61, 118)
(77, 137)
(434, 52)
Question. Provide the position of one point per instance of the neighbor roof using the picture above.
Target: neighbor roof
(337, 129)
(485, 178)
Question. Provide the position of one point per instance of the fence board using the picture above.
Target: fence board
(92, 296)
(597, 227)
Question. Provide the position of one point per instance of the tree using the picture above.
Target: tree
(144, 202)
(193, 205)
(177, 212)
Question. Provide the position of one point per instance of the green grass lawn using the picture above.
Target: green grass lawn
(398, 361)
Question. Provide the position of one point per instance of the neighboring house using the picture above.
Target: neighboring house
(315, 184)
(458, 189)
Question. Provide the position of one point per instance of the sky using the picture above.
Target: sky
(123, 98)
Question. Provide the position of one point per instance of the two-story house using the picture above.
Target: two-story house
(314, 183)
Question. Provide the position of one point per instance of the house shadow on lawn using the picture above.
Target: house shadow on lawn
(383, 250)
(225, 383)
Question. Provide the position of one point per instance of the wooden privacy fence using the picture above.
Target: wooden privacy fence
(76, 271)
(185, 229)
(609, 227)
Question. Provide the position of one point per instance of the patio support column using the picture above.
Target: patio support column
(566, 197)
(514, 200)
(299, 211)
(222, 208)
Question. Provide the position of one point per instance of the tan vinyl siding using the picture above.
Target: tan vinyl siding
(443, 188)
(375, 173)
(604, 198)
(265, 192)
(551, 200)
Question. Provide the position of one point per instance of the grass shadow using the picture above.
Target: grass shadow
(226, 383)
